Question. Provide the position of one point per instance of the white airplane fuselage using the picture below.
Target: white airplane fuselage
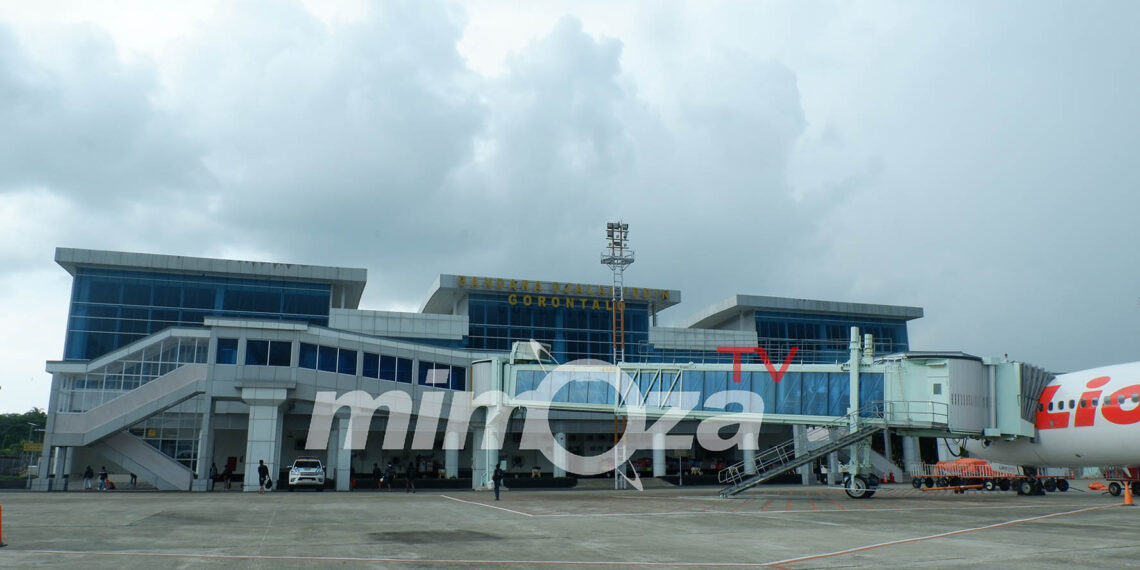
(1084, 419)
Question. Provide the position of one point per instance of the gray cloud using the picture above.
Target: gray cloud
(971, 159)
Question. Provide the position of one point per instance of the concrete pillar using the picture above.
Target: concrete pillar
(748, 452)
(560, 454)
(659, 454)
(342, 464)
(451, 454)
(206, 447)
(799, 436)
(262, 438)
(910, 451)
(68, 454)
(483, 461)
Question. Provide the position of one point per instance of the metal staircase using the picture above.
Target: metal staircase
(782, 458)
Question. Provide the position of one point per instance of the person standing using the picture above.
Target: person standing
(213, 476)
(410, 475)
(497, 479)
(88, 477)
(227, 476)
(262, 476)
(377, 475)
(103, 478)
(134, 480)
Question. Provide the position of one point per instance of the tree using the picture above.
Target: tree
(14, 430)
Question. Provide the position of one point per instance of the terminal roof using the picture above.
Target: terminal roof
(347, 282)
(712, 316)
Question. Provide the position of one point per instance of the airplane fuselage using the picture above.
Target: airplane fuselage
(1084, 419)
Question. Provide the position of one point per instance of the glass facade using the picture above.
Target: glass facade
(797, 393)
(113, 308)
(824, 338)
(574, 330)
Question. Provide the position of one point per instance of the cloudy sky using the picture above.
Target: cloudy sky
(970, 158)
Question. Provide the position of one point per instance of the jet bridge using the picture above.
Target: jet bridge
(932, 394)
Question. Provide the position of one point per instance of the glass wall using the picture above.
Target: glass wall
(822, 338)
(573, 329)
(110, 309)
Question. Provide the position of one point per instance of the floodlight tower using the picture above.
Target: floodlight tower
(618, 256)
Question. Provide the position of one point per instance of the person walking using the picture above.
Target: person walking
(410, 475)
(497, 479)
(88, 478)
(103, 478)
(213, 476)
(262, 476)
(377, 475)
(227, 476)
(389, 474)
(134, 480)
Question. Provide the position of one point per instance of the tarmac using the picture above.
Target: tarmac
(777, 526)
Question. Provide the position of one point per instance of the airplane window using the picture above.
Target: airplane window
(1094, 402)
(1040, 407)
(1136, 398)
(1120, 399)
(1108, 400)
(1050, 406)
(1072, 404)
(1084, 403)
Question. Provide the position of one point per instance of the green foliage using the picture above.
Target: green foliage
(14, 430)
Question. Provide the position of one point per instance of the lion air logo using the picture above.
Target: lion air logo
(1083, 412)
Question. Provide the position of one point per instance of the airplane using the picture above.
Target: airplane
(1089, 418)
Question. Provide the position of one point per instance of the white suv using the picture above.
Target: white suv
(307, 472)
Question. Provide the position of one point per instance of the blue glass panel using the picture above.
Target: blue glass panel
(404, 370)
(601, 393)
(370, 365)
(280, 352)
(387, 367)
(579, 392)
(227, 351)
(814, 393)
(715, 381)
(307, 356)
(458, 378)
(839, 393)
(326, 358)
(257, 352)
(526, 381)
(788, 394)
(346, 362)
(870, 392)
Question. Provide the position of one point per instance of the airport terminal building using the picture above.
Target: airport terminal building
(172, 364)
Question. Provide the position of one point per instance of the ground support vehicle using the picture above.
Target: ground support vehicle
(977, 474)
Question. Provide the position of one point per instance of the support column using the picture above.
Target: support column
(451, 455)
(341, 463)
(68, 454)
(910, 451)
(560, 455)
(262, 443)
(832, 461)
(205, 447)
(748, 451)
(799, 436)
(658, 454)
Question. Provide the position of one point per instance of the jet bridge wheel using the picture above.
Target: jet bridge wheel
(857, 488)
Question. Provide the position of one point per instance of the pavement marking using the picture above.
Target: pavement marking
(931, 537)
(412, 561)
(488, 506)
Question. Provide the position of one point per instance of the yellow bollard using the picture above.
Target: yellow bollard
(1128, 495)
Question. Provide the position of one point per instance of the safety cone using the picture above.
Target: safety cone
(1128, 495)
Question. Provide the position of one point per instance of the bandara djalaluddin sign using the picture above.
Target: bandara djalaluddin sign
(555, 294)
